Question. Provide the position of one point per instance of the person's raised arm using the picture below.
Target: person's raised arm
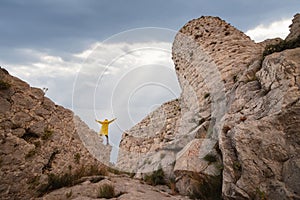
(112, 120)
(99, 121)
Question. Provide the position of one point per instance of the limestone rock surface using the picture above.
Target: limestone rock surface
(236, 121)
(38, 138)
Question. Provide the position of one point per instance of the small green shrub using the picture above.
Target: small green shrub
(172, 185)
(56, 181)
(219, 166)
(114, 171)
(235, 78)
(37, 143)
(30, 153)
(237, 165)
(106, 191)
(33, 182)
(118, 172)
(69, 194)
(162, 155)
(145, 161)
(210, 158)
(77, 158)
(283, 45)
(47, 134)
(156, 178)
(206, 188)
(4, 85)
(95, 170)
(210, 130)
(250, 79)
(261, 194)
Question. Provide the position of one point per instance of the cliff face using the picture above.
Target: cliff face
(40, 141)
(236, 124)
(260, 141)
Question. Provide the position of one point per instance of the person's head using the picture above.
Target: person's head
(106, 120)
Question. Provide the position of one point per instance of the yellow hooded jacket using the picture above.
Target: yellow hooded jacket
(104, 128)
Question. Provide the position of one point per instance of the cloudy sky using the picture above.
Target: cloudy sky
(112, 58)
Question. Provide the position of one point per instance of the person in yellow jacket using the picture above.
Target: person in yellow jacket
(104, 128)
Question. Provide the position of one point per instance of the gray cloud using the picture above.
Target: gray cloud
(71, 25)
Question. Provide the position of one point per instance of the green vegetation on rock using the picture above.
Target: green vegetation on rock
(156, 178)
(4, 85)
(56, 181)
(210, 158)
(106, 191)
(209, 188)
(283, 45)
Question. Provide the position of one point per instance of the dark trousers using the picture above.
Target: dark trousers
(107, 142)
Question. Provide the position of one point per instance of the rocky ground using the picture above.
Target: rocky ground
(124, 187)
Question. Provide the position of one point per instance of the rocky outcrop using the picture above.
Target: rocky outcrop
(39, 141)
(294, 28)
(256, 144)
(236, 122)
